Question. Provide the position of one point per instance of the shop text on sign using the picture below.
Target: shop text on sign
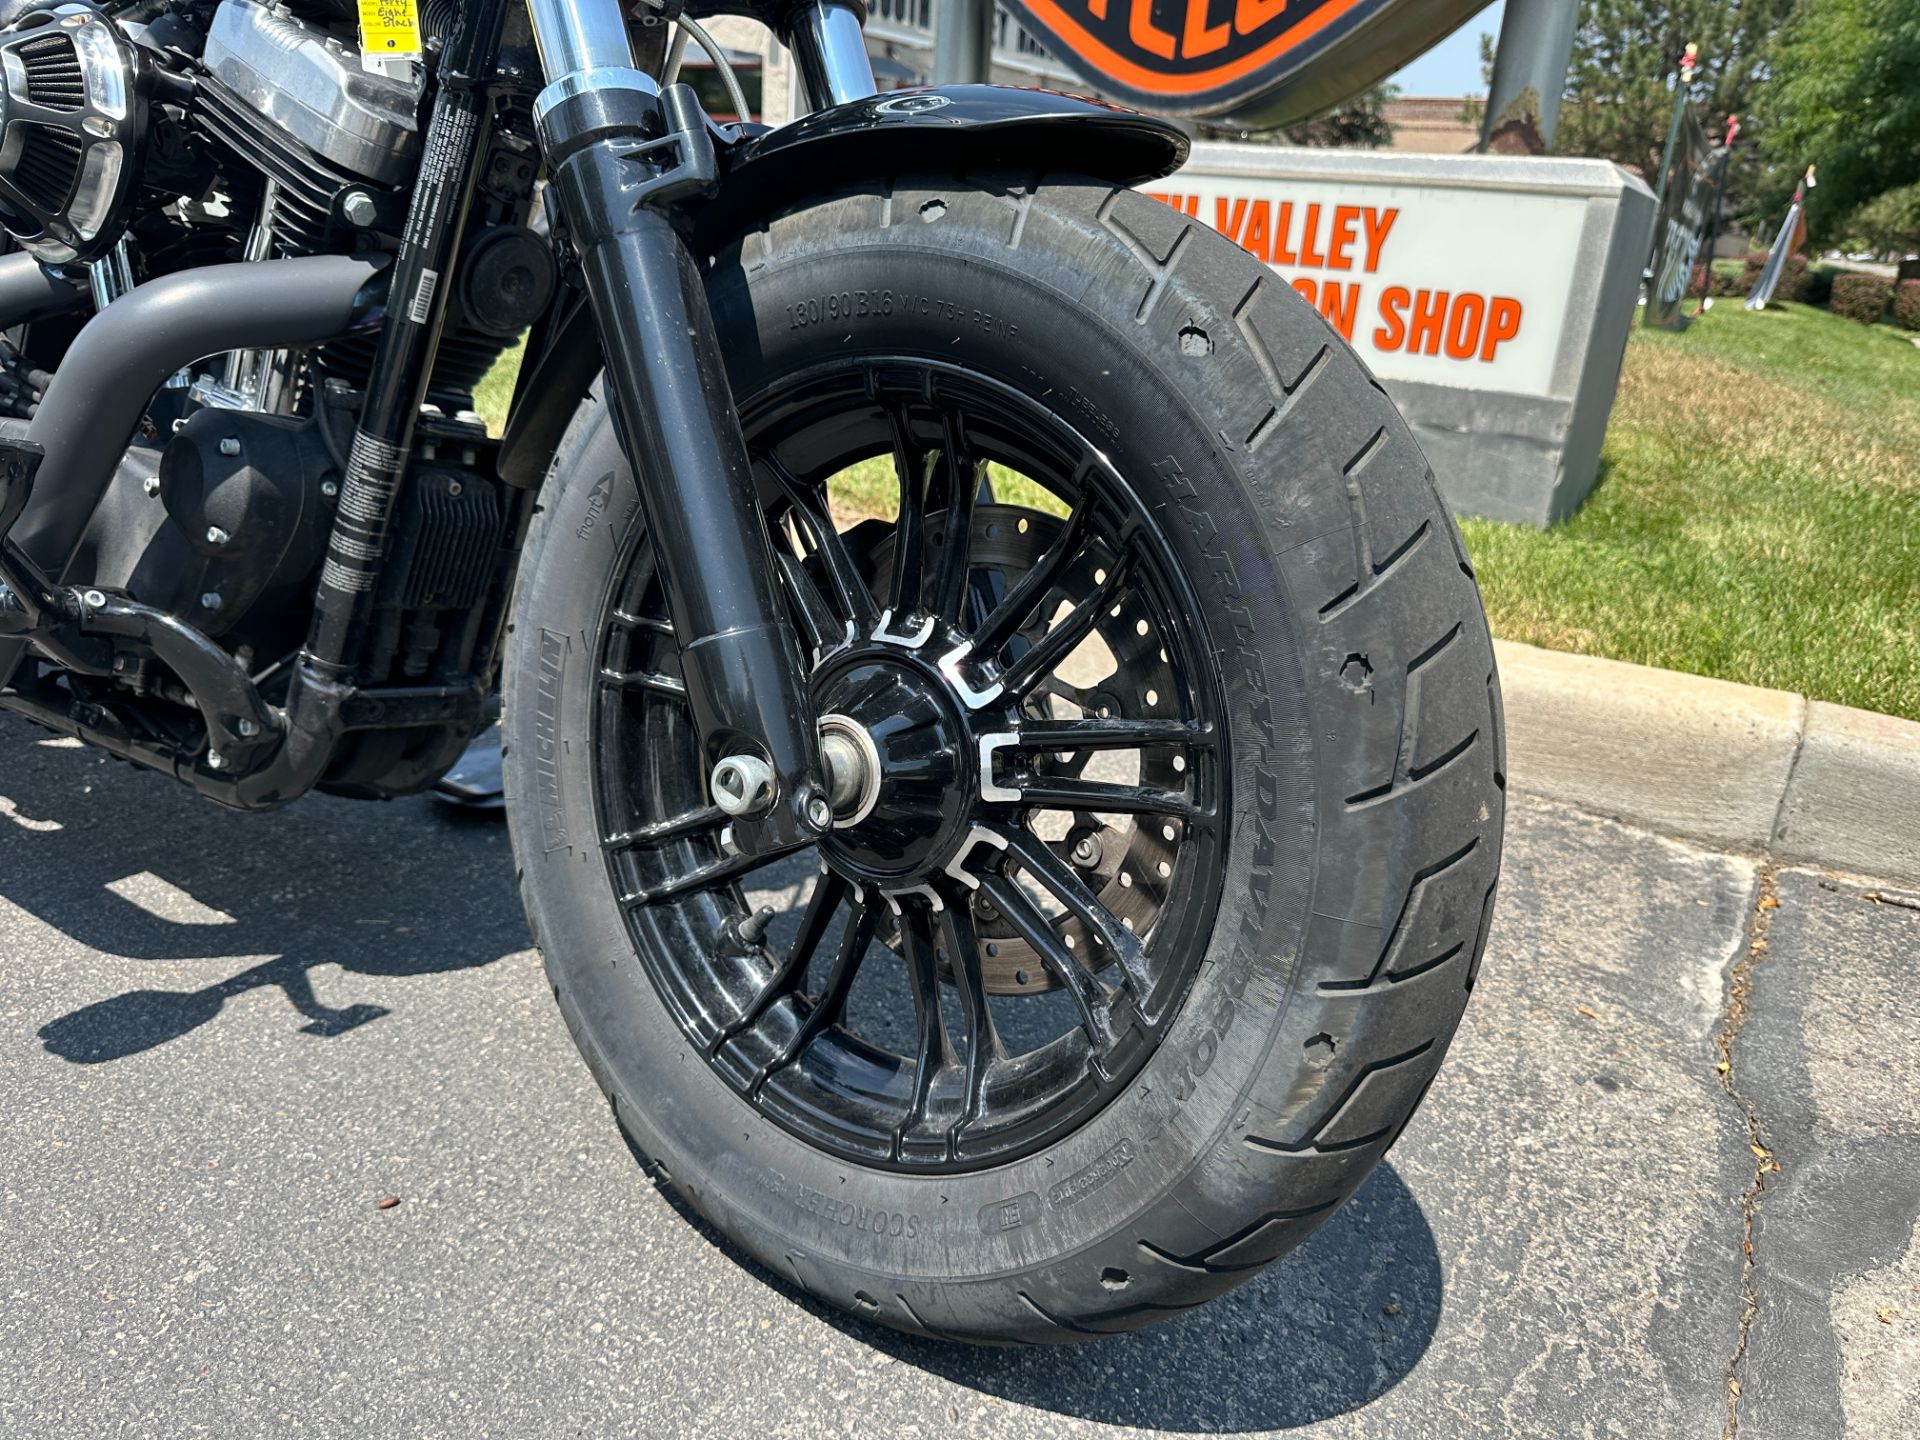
(1429, 284)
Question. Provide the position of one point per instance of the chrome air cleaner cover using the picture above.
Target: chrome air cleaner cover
(70, 121)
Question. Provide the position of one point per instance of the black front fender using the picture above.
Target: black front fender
(964, 128)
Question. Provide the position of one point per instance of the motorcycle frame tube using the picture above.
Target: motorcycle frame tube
(125, 353)
(443, 195)
(674, 412)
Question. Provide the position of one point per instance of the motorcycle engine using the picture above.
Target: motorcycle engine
(290, 99)
(141, 139)
(95, 111)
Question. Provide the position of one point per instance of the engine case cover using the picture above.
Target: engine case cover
(311, 85)
(247, 492)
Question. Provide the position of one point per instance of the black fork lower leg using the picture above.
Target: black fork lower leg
(674, 410)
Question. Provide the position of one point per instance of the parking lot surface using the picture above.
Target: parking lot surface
(226, 1039)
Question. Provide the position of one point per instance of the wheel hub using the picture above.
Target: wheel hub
(915, 815)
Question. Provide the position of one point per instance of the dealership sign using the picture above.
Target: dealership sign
(1424, 282)
(1256, 61)
(1491, 294)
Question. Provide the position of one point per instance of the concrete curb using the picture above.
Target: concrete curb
(1734, 766)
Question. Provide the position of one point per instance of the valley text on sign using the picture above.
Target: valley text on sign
(1416, 279)
(1491, 294)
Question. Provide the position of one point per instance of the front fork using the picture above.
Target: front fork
(619, 153)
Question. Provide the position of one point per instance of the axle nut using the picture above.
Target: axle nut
(852, 763)
(742, 785)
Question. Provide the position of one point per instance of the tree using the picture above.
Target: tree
(1626, 59)
(1888, 224)
(1357, 124)
(1844, 97)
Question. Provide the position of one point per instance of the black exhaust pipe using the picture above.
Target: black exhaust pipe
(30, 292)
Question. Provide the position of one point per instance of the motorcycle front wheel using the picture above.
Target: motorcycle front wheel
(1136, 592)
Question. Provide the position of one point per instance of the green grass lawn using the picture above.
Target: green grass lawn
(495, 396)
(1757, 518)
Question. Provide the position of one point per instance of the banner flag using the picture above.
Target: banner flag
(1680, 230)
(1793, 233)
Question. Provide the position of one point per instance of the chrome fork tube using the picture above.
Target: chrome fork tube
(583, 47)
(575, 36)
(831, 50)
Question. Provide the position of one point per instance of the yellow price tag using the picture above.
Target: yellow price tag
(390, 29)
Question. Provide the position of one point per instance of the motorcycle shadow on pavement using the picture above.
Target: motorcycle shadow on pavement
(130, 867)
(1328, 1330)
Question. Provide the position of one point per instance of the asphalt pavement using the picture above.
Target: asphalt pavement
(1665, 1184)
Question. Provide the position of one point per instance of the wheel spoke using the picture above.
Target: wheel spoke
(824, 630)
(1036, 857)
(1064, 638)
(963, 490)
(702, 877)
(828, 891)
(984, 1047)
(651, 624)
(673, 828)
(833, 997)
(910, 530)
(935, 1051)
(1069, 792)
(810, 504)
(1122, 734)
(645, 680)
(1012, 612)
(1089, 996)
(968, 635)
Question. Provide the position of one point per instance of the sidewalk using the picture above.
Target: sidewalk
(1762, 772)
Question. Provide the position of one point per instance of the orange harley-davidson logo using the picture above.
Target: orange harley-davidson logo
(1237, 57)
(1187, 46)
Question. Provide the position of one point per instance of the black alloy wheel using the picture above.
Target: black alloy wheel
(1051, 775)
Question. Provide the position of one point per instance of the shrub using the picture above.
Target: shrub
(1795, 282)
(1817, 287)
(1727, 275)
(1860, 297)
(1723, 276)
(1906, 304)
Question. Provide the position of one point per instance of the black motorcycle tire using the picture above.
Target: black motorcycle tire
(1366, 744)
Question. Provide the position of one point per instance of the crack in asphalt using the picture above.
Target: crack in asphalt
(1739, 998)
